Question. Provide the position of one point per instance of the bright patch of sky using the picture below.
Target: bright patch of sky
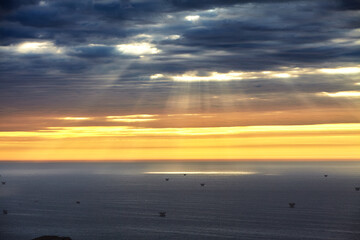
(138, 48)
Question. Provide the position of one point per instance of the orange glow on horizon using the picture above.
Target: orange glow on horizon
(301, 142)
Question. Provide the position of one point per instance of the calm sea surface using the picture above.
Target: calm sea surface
(240, 200)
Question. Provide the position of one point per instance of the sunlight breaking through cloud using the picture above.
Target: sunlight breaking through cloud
(74, 118)
(341, 70)
(132, 118)
(230, 76)
(38, 47)
(194, 76)
(138, 48)
(342, 94)
(192, 18)
(82, 72)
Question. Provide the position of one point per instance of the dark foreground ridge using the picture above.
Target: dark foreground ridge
(51, 238)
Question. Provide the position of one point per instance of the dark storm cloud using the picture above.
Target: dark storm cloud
(206, 4)
(349, 4)
(95, 52)
(40, 17)
(243, 35)
(12, 33)
(247, 35)
(310, 55)
(10, 5)
(120, 10)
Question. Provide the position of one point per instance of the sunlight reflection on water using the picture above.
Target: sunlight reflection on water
(206, 173)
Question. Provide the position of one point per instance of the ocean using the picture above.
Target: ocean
(239, 200)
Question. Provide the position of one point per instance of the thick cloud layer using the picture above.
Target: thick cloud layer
(104, 56)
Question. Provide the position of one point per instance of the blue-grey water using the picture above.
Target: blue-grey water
(240, 200)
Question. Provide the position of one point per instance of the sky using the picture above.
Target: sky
(180, 80)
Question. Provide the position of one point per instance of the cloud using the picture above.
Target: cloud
(132, 118)
(244, 131)
(94, 51)
(101, 56)
(346, 94)
(37, 47)
(341, 70)
(136, 48)
(192, 18)
(12, 33)
(349, 4)
(207, 4)
(39, 16)
(229, 76)
(74, 118)
(11, 5)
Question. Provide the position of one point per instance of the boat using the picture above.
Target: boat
(292, 205)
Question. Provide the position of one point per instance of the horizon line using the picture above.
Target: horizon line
(187, 160)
